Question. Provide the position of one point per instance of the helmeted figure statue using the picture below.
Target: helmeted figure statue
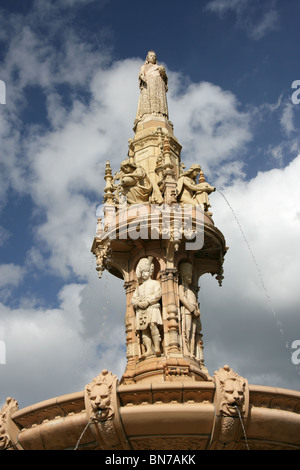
(147, 307)
(153, 83)
(190, 191)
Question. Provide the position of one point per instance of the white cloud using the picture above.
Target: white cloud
(209, 124)
(55, 351)
(4, 235)
(11, 274)
(287, 119)
(256, 309)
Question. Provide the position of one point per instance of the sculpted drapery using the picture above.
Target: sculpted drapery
(153, 83)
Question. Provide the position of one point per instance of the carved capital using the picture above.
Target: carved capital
(130, 286)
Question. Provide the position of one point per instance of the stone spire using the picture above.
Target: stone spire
(160, 238)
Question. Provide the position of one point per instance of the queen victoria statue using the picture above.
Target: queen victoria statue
(153, 83)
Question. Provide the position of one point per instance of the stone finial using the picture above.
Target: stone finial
(109, 197)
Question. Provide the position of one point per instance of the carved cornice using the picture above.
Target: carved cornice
(167, 393)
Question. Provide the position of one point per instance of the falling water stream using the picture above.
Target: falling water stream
(278, 323)
(243, 427)
(82, 434)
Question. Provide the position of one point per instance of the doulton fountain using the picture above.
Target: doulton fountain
(157, 234)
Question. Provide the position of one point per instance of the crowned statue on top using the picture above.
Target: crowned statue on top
(153, 84)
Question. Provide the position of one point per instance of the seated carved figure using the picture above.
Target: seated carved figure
(191, 192)
(147, 307)
(134, 183)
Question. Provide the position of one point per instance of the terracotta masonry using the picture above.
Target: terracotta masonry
(157, 234)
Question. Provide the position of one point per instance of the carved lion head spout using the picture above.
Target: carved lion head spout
(232, 388)
(100, 400)
(99, 396)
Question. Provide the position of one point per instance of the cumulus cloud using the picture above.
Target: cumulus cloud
(210, 125)
(4, 235)
(10, 274)
(287, 119)
(53, 351)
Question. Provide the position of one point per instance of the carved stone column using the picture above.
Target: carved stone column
(169, 302)
(131, 338)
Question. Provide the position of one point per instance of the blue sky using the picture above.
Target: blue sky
(70, 68)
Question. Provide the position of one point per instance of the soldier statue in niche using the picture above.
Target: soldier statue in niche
(190, 313)
(146, 301)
